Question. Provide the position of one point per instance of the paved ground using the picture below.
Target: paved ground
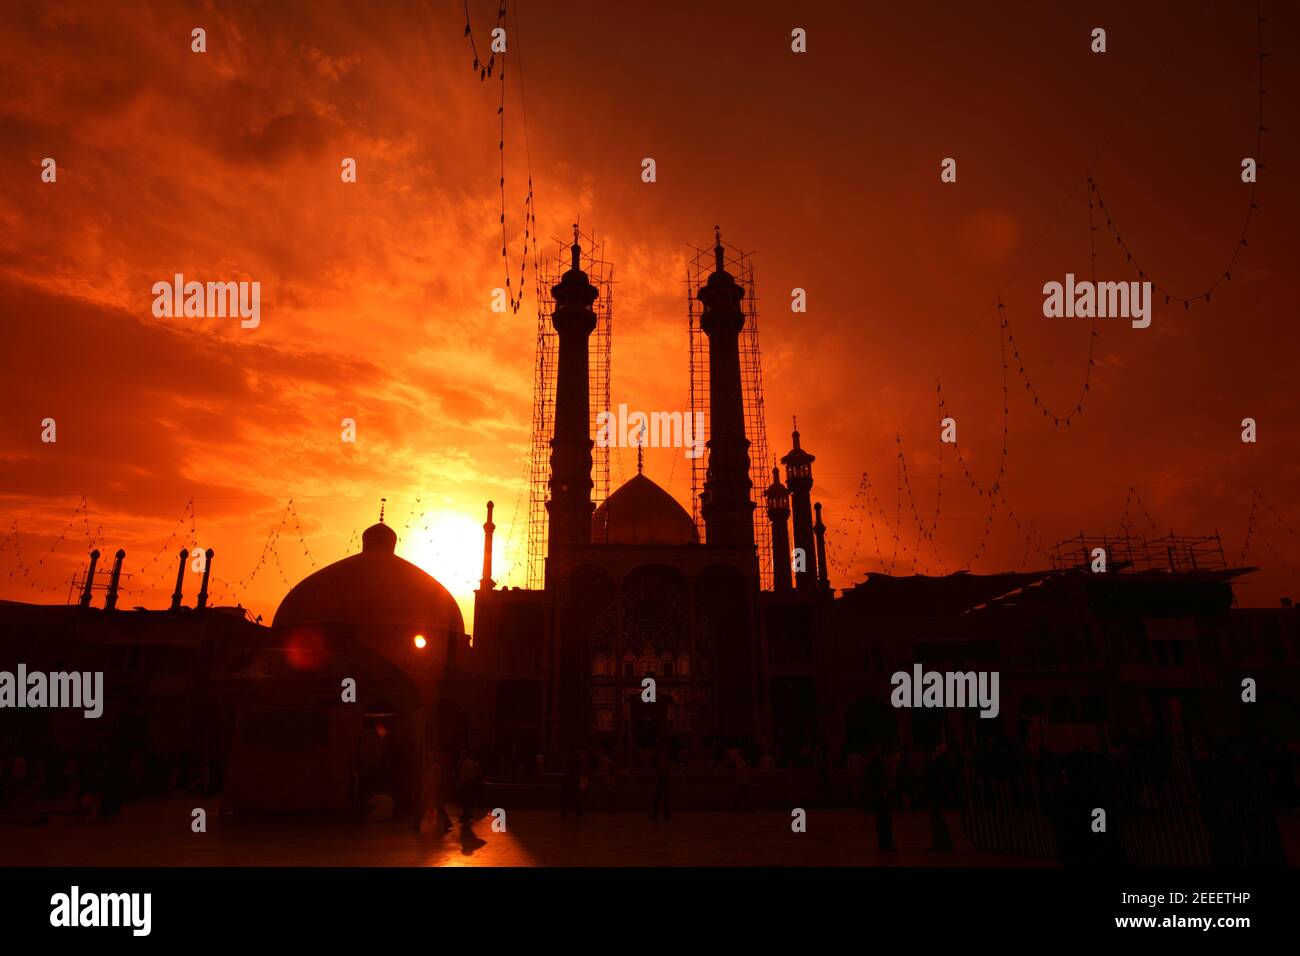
(158, 833)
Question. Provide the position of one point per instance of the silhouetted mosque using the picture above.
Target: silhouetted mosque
(368, 664)
(633, 593)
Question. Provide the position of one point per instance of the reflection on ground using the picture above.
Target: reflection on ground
(157, 833)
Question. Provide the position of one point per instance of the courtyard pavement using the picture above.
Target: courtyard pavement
(157, 833)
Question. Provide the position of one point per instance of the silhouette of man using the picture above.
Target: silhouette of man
(467, 781)
(744, 801)
(663, 766)
(878, 798)
(937, 776)
(434, 798)
(571, 789)
(822, 764)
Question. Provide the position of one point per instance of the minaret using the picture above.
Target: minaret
(778, 513)
(798, 478)
(110, 599)
(486, 583)
(728, 512)
(207, 571)
(570, 505)
(180, 580)
(819, 529)
(90, 578)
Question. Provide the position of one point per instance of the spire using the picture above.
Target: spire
(110, 601)
(486, 583)
(725, 502)
(798, 479)
(640, 460)
(90, 577)
(778, 513)
(207, 571)
(570, 505)
(382, 503)
(819, 529)
(180, 579)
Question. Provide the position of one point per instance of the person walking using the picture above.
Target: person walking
(433, 799)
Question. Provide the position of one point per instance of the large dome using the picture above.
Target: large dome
(375, 587)
(642, 513)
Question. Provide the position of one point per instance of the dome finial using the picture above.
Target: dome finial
(382, 503)
(575, 250)
(717, 248)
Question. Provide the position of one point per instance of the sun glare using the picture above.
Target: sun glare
(452, 551)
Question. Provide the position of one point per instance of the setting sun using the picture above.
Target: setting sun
(449, 546)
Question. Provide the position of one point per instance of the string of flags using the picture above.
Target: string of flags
(1249, 175)
(514, 291)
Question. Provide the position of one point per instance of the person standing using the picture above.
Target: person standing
(434, 800)
(857, 766)
(937, 778)
(744, 802)
(822, 764)
(663, 766)
(575, 782)
(467, 782)
(876, 778)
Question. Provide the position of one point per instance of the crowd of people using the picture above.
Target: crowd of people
(95, 781)
(878, 782)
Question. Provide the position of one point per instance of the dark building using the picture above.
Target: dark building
(643, 633)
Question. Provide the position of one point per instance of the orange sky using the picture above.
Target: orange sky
(375, 295)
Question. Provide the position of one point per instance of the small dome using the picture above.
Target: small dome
(640, 512)
(379, 537)
(375, 587)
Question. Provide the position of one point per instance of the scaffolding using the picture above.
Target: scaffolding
(102, 580)
(1174, 554)
(698, 269)
(601, 275)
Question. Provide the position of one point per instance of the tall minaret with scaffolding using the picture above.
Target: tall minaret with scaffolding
(559, 290)
(570, 506)
(726, 503)
(727, 393)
